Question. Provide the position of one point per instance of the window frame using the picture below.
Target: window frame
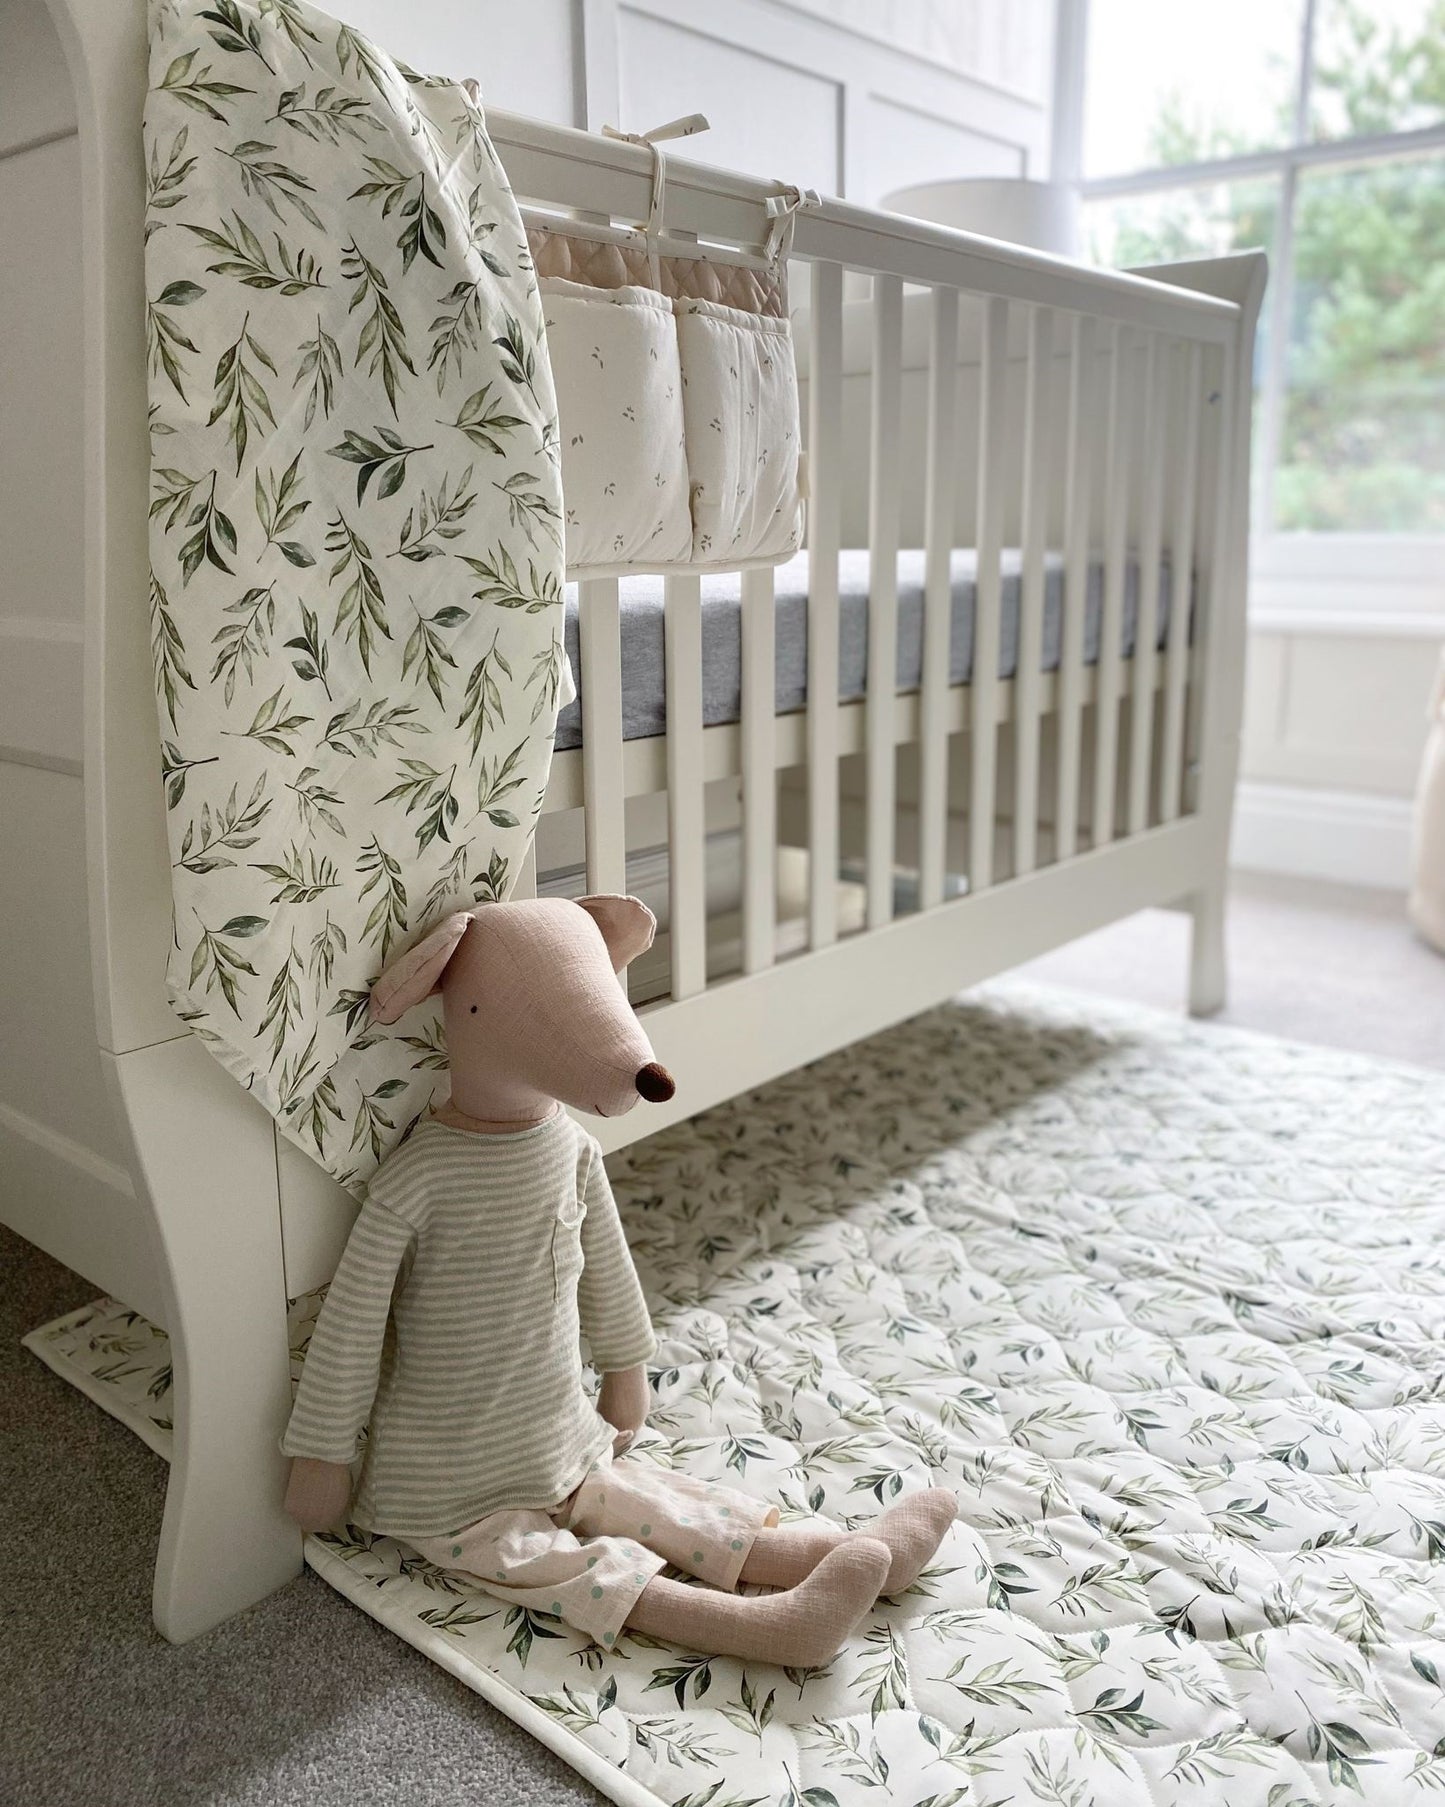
(1296, 573)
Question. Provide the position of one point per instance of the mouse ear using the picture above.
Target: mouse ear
(417, 973)
(626, 923)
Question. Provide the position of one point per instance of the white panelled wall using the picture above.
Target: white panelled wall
(852, 97)
(1343, 649)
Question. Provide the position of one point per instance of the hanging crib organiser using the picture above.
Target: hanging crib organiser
(677, 390)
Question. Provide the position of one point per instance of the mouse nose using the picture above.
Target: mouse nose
(655, 1083)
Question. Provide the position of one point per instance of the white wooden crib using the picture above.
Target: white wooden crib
(980, 396)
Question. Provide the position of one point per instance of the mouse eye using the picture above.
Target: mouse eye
(474, 1010)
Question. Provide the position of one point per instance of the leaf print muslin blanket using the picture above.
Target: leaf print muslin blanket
(356, 543)
(1164, 1304)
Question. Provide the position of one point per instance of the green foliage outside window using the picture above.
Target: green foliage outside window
(1362, 427)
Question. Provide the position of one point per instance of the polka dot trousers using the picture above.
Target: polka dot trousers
(587, 1560)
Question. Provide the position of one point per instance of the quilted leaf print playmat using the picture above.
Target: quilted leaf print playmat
(1165, 1304)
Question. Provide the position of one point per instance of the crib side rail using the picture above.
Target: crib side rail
(1091, 471)
(1078, 439)
(1078, 485)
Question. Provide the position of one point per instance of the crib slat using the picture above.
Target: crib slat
(937, 596)
(983, 688)
(825, 431)
(686, 845)
(884, 498)
(1146, 637)
(603, 788)
(1181, 587)
(759, 772)
(1077, 505)
(1028, 679)
(1212, 696)
(1111, 627)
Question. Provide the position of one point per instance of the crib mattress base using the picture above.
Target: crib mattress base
(642, 616)
(1165, 1305)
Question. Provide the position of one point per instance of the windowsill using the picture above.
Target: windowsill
(1390, 585)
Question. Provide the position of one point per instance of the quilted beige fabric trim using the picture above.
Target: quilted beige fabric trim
(612, 266)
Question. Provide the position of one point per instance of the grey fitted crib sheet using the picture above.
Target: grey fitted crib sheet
(644, 691)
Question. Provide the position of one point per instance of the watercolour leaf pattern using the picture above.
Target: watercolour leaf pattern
(1063, 1203)
(348, 383)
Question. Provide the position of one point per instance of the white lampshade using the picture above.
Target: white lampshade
(1044, 215)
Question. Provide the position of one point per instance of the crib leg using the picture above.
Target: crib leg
(1208, 978)
(205, 1154)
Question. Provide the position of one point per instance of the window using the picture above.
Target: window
(1316, 130)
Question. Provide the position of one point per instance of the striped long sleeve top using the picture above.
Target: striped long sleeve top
(453, 1328)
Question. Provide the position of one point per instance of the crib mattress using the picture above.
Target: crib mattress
(644, 700)
(1164, 1303)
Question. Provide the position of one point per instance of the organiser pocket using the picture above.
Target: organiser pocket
(615, 365)
(740, 417)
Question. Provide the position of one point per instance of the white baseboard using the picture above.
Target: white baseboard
(1350, 837)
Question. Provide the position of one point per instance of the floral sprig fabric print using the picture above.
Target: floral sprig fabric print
(356, 543)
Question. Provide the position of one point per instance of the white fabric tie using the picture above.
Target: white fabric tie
(686, 127)
(783, 210)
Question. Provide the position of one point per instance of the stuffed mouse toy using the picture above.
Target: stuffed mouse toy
(491, 1243)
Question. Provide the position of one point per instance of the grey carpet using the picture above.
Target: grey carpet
(1307, 961)
(304, 1700)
